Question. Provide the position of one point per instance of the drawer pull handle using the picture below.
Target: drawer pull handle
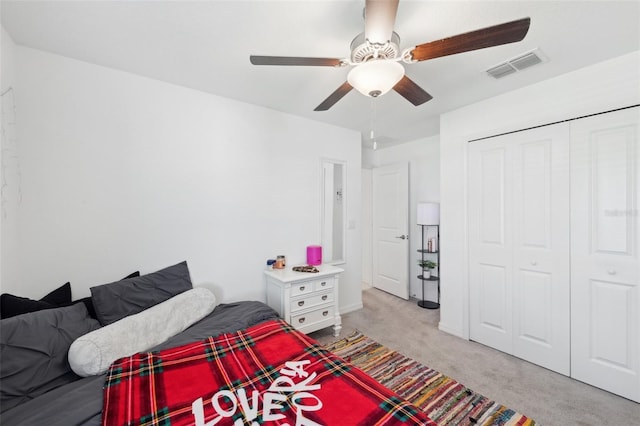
(611, 271)
(301, 288)
(325, 313)
(301, 303)
(324, 297)
(323, 283)
(301, 320)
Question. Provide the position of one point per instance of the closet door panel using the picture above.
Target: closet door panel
(541, 247)
(534, 319)
(492, 289)
(519, 245)
(491, 265)
(611, 310)
(611, 173)
(533, 193)
(605, 268)
(492, 201)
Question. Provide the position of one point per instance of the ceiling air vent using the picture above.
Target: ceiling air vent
(501, 70)
(518, 63)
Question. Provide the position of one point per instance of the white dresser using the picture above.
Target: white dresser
(307, 301)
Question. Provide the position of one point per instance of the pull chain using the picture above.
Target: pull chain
(373, 119)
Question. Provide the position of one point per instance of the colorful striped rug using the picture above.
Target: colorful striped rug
(446, 401)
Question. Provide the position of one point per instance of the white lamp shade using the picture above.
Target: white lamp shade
(428, 214)
(375, 77)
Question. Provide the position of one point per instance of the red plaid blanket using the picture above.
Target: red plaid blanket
(267, 374)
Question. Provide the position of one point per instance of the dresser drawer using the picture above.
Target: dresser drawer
(311, 300)
(302, 288)
(307, 318)
(323, 284)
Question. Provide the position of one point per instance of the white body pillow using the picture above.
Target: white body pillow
(93, 353)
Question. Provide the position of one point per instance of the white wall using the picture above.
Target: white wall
(601, 87)
(10, 171)
(423, 156)
(121, 173)
(7, 60)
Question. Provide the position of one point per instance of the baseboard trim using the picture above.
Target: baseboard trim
(351, 308)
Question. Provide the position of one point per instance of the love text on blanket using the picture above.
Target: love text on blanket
(294, 383)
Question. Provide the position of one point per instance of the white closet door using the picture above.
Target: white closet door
(490, 259)
(541, 244)
(605, 269)
(519, 245)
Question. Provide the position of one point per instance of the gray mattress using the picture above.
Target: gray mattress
(80, 402)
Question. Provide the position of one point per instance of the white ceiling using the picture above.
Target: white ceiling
(205, 45)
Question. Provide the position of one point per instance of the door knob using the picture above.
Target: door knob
(403, 237)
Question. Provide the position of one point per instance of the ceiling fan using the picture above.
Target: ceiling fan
(376, 56)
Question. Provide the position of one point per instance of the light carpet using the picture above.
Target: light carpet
(446, 401)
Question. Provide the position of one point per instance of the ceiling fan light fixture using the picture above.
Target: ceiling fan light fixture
(375, 77)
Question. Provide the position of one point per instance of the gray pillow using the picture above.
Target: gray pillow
(33, 351)
(120, 299)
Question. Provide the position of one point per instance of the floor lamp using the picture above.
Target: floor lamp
(429, 216)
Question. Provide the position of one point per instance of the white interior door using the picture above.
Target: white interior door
(390, 229)
(519, 245)
(605, 269)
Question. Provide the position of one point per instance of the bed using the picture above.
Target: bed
(201, 363)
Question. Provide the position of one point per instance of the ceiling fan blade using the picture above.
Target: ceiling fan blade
(497, 35)
(334, 97)
(411, 91)
(379, 19)
(294, 60)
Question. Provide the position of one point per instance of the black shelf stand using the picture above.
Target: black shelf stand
(429, 304)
